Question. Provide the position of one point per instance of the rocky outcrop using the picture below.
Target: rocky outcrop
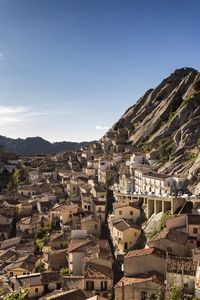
(167, 118)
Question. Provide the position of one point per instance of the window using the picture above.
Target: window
(120, 212)
(95, 226)
(99, 209)
(195, 230)
(103, 285)
(36, 290)
(89, 285)
(143, 295)
(131, 213)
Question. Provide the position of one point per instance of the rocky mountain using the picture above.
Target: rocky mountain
(37, 145)
(167, 119)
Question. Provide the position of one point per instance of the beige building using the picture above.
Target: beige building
(124, 235)
(98, 277)
(129, 211)
(92, 224)
(144, 261)
(186, 223)
(32, 281)
(23, 266)
(174, 242)
(139, 287)
(99, 208)
(63, 213)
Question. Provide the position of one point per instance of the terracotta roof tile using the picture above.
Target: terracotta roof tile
(140, 278)
(146, 251)
(172, 235)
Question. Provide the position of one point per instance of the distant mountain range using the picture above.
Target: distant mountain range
(37, 145)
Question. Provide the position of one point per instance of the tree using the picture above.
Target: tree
(172, 292)
(64, 271)
(159, 294)
(20, 176)
(16, 295)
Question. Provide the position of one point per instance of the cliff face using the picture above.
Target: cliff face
(167, 118)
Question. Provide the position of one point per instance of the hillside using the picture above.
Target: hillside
(167, 118)
(37, 145)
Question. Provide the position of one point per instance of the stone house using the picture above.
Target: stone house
(98, 277)
(59, 240)
(139, 287)
(27, 190)
(144, 261)
(6, 226)
(76, 251)
(92, 224)
(62, 213)
(99, 208)
(99, 191)
(182, 270)
(26, 226)
(173, 242)
(57, 259)
(189, 224)
(23, 265)
(33, 281)
(124, 235)
(129, 211)
(90, 171)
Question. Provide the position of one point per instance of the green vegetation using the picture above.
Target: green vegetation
(40, 235)
(191, 156)
(166, 148)
(164, 218)
(196, 91)
(39, 244)
(64, 271)
(16, 295)
(197, 86)
(41, 232)
(172, 292)
(142, 143)
(159, 294)
(161, 226)
(19, 177)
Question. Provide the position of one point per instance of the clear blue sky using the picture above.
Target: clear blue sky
(70, 68)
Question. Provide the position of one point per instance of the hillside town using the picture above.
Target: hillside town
(97, 223)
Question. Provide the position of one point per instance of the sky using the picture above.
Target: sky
(70, 68)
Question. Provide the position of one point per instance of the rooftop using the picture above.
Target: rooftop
(172, 235)
(140, 278)
(146, 251)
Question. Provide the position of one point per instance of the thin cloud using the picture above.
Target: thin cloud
(7, 110)
(8, 119)
(11, 114)
(99, 127)
(2, 56)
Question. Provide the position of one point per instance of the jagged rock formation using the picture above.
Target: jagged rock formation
(167, 118)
